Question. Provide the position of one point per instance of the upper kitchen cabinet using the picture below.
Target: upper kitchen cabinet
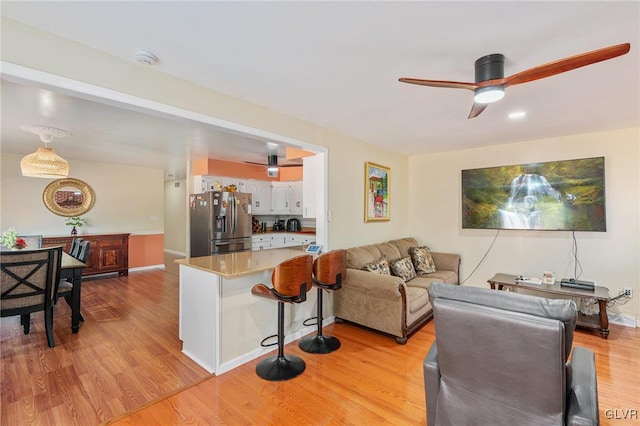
(295, 197)
(311, 185)
(280, 198)
(261, 192)
(205, 183)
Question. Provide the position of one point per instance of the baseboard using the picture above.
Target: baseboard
(179, 253)
(257, 353)
(626, 320)
(146, 268)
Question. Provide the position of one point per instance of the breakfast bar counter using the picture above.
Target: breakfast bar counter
(231, 265)
(221, 322)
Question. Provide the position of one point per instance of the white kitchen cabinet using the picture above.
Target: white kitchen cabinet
(261, 242)
(279, 197)
(295, 197)
(205, 183)
(311, 185)
(261, 195)
(300, 239)
(227, 181)
(279, 241)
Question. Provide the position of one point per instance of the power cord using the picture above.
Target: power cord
(620, 299)
(576, 262)
(483, 257)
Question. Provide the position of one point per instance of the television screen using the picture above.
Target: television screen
(558, 195)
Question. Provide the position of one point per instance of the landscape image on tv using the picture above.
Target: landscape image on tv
(557, 195)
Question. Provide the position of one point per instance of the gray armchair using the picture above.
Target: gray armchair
(502, 359)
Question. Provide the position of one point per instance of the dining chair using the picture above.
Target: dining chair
(75, 247)
(28, 283)
(65, 288)
(83, 251)
(34, 242)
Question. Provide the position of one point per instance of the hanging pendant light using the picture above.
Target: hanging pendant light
(44, 163)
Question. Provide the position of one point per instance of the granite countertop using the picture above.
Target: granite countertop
(232, 265)
(270, 231)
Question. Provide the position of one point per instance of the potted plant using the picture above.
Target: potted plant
(75, 221)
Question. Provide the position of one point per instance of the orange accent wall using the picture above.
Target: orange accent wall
(290, 173)
(207, 166)
(200, 167)
(295, 153)
(146, 250)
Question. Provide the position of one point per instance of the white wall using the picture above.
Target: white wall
(127, 199)
(175, 213)
(32, 48)
(609, 258)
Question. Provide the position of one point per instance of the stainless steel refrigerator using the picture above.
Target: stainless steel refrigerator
(220, 222)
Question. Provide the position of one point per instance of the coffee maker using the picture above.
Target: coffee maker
(293, 225)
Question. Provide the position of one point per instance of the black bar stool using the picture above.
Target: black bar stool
(329, 270)
(291, 281)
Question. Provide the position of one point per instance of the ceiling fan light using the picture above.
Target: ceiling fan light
(272, 168)
(44, 163)
(489, 94)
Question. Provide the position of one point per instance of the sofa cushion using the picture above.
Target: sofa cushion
(403, 268)
(422, 260)
(417, 298)
(378, 266)
(357, 257)
(423, 281)
(404, 244)
(389, 250)
(448, 277)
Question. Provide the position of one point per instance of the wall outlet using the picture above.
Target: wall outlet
(628, 292)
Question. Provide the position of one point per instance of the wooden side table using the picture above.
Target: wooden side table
(601, 294)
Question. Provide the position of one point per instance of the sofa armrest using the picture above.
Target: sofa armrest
(431, 370)
(582, 400)
(447, 261)
(384, 286)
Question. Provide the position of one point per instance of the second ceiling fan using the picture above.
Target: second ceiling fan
(491, 82)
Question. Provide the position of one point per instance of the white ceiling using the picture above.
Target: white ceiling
(336, 64)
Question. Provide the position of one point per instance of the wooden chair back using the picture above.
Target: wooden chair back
(330, 269)
(288, 276)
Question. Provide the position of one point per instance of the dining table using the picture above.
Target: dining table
(71, 270)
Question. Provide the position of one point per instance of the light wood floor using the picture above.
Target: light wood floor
(125, 367)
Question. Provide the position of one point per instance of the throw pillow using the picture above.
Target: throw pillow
(380, 266)
(422, 260)
(403, 268)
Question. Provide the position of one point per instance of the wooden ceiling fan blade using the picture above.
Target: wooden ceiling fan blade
(257, 164)
(440, 83)
(290, 165)
(476, 109)
(567, 64)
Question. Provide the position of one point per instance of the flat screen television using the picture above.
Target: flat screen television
(564, 195)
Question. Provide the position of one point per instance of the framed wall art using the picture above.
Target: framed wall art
(376, 199)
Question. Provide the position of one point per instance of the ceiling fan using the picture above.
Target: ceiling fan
(491, 82)
(272, 163)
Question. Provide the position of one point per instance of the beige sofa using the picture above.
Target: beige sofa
(385, 302)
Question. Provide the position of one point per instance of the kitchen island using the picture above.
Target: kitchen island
(221, 322)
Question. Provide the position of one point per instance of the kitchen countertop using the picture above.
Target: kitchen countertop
(236, 264)
(303, 232)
